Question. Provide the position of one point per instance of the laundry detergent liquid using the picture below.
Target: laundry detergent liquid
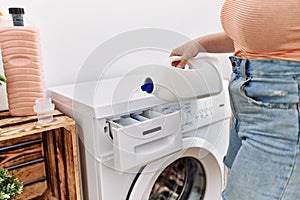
(21, 57)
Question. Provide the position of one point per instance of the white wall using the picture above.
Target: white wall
(71, 30)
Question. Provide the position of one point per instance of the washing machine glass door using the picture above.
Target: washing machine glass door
(178, 181)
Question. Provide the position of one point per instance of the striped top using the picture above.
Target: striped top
(263, 29)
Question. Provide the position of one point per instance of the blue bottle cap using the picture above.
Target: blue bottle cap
(147, 87)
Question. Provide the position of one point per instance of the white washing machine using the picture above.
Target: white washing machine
(134, 146)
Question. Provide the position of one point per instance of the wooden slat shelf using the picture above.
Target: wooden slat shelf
(45, 156)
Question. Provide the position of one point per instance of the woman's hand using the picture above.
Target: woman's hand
(213, 43)
(187, 51)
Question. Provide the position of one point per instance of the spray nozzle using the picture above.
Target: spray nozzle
(17, 15)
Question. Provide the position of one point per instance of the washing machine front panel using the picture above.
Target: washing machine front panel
(193, 173)
(98, 145)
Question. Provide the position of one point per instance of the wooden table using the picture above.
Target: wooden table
(45, 156)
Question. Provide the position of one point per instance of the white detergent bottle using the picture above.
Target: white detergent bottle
(21, 56)
(200, 79)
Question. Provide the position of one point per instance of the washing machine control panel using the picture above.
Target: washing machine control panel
(194, 114)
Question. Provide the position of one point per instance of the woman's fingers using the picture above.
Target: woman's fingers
(181, 64)
(175, 63)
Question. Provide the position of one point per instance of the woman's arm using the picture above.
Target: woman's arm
(212, 43)
(215, 43)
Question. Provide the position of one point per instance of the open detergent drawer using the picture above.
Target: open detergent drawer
(141, 138)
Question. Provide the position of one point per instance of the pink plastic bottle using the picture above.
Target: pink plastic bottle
(21, 56)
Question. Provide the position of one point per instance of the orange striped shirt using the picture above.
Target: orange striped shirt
(263, 29)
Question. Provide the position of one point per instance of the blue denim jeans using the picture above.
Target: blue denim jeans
(264, 147)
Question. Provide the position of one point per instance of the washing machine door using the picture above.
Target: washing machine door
(194, 173)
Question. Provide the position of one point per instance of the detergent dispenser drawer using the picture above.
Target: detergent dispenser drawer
(144, 137)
